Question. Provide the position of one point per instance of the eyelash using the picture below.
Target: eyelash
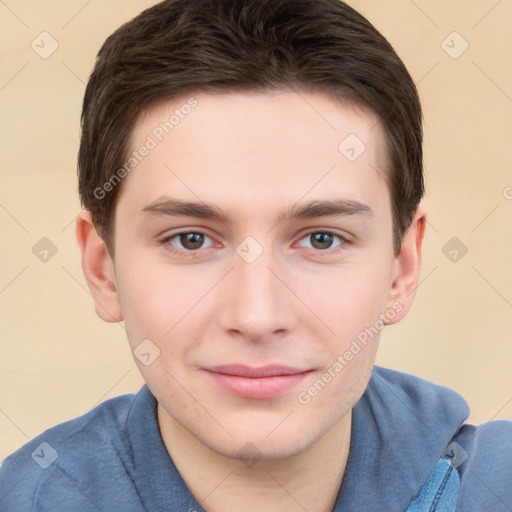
(190, 253)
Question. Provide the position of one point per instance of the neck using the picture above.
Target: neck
(308, 480)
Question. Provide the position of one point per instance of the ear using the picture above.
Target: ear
(98, 269)
(406, 269)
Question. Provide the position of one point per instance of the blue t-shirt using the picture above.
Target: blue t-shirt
(409, 451)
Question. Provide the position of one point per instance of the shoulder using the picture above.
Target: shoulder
(484, 464)
(432, 419)
(48, 461)
(410, 392)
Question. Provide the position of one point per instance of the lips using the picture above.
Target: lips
(256, 382)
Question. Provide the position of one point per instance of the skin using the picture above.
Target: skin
(297, 304)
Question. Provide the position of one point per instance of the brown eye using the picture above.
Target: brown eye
(323, 240)
(186, 241)
(191, 241)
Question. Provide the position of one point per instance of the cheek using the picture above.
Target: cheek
(163, 302)
(150, 299)
(348, 300)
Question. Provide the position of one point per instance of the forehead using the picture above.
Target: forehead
(276, 146)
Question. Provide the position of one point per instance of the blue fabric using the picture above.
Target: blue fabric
(113, 459)
(441, 491)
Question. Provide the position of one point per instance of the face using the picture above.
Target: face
(261, 304)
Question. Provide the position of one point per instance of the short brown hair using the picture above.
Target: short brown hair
(178, 47)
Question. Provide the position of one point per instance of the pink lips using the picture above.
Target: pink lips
(256, 383)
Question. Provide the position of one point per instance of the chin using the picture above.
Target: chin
(250, 452)
(248, 444)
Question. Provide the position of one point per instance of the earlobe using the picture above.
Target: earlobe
(98, 269)
(407, 266)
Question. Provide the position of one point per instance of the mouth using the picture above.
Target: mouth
(256, 383)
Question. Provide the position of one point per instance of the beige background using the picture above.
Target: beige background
(58, 360)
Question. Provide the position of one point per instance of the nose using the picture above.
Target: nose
(257, 302)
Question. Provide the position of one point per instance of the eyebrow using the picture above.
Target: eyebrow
(169, 206)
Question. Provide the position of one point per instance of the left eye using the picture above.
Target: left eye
(323, 240)
(190, 241)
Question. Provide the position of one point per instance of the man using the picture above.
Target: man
(251, 177)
